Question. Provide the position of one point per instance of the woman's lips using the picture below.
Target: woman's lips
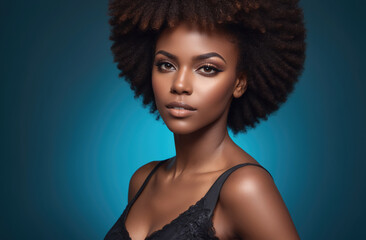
(180, 109)
(180, 105)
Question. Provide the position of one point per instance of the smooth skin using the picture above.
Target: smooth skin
(199, 68)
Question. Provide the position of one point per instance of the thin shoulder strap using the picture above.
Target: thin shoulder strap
(145, 182)
(214, 192)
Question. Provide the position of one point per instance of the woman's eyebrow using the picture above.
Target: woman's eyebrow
(199, 57)
(209, 55)
(169, 55)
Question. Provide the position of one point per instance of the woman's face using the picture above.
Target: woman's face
(196, 69)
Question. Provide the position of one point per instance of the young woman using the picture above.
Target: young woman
(203, 67)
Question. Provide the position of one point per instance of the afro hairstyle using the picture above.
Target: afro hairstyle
(271, 38)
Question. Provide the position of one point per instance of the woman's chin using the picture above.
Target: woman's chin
(180, 128)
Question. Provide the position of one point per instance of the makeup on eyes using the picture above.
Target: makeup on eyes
(208, 65)
(159, 63)
(207, 69)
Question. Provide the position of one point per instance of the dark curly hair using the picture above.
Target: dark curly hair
(270, 33)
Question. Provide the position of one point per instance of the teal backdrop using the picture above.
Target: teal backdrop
(72, 133)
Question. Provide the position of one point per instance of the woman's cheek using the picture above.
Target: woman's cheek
(159, 90)
(217, 94)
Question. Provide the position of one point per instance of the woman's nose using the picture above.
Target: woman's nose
(182, 82)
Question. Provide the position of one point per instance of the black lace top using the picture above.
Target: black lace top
(194, 223)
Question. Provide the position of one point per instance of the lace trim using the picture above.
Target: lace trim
(194, 223)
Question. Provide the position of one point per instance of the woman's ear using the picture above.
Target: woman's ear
(240, 85)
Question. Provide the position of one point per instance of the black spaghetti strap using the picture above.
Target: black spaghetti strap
(214, 192)
(143, 185)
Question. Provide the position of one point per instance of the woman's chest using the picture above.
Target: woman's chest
(169, 219)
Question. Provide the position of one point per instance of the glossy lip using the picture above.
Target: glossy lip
(181, 105)
(185, 112)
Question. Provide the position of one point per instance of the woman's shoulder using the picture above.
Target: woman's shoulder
(139, 177)
(250, 195)
(247, 180)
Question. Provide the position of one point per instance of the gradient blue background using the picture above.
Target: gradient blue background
(72, 134)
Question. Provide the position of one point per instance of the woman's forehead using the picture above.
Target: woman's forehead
(186, 37)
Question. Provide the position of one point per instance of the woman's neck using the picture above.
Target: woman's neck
(201, 151)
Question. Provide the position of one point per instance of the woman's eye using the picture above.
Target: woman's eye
(209, 70)
(165, 66)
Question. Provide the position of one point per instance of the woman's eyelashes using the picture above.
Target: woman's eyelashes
(164, 66)
(207, 69)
